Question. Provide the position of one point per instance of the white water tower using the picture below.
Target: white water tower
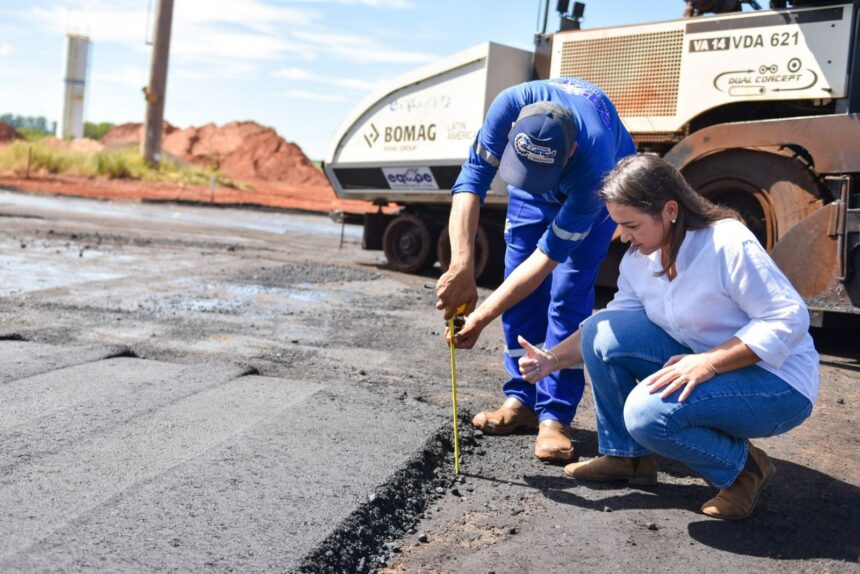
(75, 83)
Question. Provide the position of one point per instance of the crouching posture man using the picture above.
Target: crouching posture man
(552, 142)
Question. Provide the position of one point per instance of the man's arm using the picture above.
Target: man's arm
(456, 286)
(519, 284)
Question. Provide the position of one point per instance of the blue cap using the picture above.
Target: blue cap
(538, 147)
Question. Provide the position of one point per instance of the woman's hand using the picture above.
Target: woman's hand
(535, 364)
(680, 371)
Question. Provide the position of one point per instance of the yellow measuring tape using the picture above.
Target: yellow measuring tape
(460, 310)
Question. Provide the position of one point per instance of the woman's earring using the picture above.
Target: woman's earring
(673, 220)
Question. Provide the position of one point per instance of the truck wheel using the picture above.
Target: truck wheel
(494, 272)
(482, 250)
(771, 192)
(408, 244)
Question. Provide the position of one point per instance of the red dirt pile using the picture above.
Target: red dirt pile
(8, 133)
(243, 151)
(278, 172)
(132, 133)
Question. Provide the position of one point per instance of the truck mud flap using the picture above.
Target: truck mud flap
(374, 229)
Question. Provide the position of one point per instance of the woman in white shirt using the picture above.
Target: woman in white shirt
(704, 346)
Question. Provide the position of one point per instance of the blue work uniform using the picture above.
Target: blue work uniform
(568, 223)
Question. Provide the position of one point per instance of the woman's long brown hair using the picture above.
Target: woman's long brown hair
(646, 182)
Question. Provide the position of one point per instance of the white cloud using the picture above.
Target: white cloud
(293, 74)
(6, 49)
(102, 25)
(219, 46)
(381, 3)
(361, 85)
(361, 49)
(127, 76)
(201, 28)
(307, 95)
(217, 71)
(299, 75)
(252, 14)
(395, 4)
(113, 20)
(379, 55)
(10, 72)
(213, 32)
(225, 40)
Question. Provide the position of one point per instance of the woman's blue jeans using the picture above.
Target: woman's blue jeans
(709, 430)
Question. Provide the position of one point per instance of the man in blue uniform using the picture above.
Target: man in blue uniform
(552, 142)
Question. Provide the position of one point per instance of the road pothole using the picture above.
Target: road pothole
(368, 538)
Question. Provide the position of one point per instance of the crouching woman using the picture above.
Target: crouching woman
(704, 346)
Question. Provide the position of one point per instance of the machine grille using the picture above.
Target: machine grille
(638, 72)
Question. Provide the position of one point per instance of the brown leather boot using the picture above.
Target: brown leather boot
(738, 501)
(553, 442)
(511, 416)
(635, 470)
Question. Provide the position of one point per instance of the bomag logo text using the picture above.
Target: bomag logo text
(413, 133)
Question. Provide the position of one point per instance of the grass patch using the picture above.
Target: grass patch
(97, 131)
(124, 163)
(32, 134)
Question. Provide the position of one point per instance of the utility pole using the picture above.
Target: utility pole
(154, 93)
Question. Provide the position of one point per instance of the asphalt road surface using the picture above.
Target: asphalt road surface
(220, 390)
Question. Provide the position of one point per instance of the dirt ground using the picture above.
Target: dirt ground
(515, 514)
(275, 292)
(263, 193)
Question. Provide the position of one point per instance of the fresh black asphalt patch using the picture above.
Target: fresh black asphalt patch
(135, 465)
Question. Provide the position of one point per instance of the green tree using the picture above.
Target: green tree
(29, 122)
(97, 131)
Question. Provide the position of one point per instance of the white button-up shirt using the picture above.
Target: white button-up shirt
(726, 286)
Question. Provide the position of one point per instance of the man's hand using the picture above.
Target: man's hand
(456, 287)
(468, 334)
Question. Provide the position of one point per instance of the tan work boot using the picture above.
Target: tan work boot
(635, 470)
(511, 416)
(553, 442)
(738, 501)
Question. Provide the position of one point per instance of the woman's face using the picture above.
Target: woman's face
(642, 230)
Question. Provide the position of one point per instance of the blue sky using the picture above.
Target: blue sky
(299, 66)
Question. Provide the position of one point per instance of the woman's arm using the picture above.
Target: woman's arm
(537, 364)
(690, 370)
(778, 321)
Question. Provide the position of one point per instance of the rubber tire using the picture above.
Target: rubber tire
(482, 250)
(494, 272)
(408, 244)
(787, 187)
